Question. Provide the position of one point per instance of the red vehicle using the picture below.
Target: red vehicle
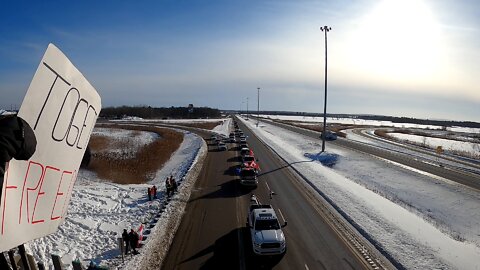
(249, 161)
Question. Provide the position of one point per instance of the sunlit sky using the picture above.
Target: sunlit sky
(413, 58)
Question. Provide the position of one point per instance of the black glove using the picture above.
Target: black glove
(17, 139)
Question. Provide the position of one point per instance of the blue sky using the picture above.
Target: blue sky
(414, 58)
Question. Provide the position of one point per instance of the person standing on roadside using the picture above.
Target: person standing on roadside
(154, 188)
(173, 183)
(133, 237)
(168, 187)
(126, 241)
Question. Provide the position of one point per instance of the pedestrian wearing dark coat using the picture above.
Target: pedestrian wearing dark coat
(154, 192)
(149, 193)
(168, 186)
(133, 237)
(173, 184)
(126, 241)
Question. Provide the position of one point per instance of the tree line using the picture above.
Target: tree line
(148, 112)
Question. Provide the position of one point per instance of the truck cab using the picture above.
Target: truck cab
(265, 230)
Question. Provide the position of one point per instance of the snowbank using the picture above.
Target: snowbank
(224, 128)
(452, 145)
(100, 210)
(422, 222)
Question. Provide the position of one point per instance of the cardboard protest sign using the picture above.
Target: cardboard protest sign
(61, 107)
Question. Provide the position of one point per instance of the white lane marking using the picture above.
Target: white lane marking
(269, 190)
(281, 214)
(306, 267)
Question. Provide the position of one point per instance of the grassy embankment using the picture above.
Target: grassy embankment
(132, 166)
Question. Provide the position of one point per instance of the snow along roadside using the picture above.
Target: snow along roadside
(413, 242)
(154, 252)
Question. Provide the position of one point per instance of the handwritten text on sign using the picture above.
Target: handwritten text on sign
(62, 107)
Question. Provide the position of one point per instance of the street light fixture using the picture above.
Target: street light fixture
(325, 29)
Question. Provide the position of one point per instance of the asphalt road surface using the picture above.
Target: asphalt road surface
(213, 233)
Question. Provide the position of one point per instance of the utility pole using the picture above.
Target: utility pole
(325, 29)
(247, 108)
(258, 104)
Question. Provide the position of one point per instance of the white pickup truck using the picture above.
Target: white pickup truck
(265, 230)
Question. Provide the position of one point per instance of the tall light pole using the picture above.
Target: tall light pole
(325, 29)
(247, 108)
(258, 104)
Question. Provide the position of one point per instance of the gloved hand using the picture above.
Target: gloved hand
(17, 139)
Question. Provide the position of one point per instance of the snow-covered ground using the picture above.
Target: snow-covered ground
(451, 145)
(173, 121)
(364, 122)
(224, 128)
(452, 142)
(99, 210)
(120, 138)
(423, 222)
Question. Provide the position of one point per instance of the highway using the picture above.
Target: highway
(468, 179)
(213, 234)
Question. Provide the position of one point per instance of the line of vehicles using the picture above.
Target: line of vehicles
(249, 167)
(266, 233)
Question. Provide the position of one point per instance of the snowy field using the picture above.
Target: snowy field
(363, 122)
(470, 136)
(451, 145)
(423, 222)
(99, 210)
(121, 137)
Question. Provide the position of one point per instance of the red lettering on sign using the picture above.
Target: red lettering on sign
(37, 197)
(70, 190)
(41, 193)
(59, 194)
(4, 192)
(29, 189)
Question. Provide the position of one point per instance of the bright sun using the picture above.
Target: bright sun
(398, 39)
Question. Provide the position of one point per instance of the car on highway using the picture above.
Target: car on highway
(248, 159)
(244, 151)
(329, 136)
(222, 146)
(265, 230)
(248, 177)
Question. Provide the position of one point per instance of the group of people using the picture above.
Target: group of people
(152, 193)
(130, 239)
(170, 185)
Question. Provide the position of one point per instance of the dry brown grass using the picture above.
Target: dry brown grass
(99, 143)
(205, 125)
(143, 165)
(382, 133)
(336, 128)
